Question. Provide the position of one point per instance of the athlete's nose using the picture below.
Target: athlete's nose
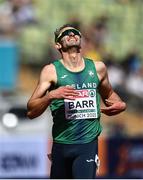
(71, 34)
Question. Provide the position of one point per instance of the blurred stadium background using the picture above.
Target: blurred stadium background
(112, 31)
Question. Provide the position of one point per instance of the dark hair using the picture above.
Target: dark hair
(57, 32)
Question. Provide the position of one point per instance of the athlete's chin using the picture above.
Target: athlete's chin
(77, 46)
(74, 47)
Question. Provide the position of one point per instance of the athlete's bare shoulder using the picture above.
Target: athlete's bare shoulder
(101, 69)
(48, 68)
(100, 66)
(48, 73)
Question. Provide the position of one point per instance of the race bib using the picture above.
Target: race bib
(83, 107)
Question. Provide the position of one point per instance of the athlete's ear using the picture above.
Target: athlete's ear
(58, 46)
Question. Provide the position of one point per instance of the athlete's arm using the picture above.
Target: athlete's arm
(114, 104)
(41, 97)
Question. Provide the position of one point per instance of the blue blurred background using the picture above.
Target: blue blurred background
(112, 32)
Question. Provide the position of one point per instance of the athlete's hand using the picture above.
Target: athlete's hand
(63, 92)
(113, 108)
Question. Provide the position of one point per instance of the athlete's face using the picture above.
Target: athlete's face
(70, 37)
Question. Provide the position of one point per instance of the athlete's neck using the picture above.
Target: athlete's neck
(73, 61)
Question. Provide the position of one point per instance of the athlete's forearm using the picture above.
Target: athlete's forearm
(114, 105)
(113, 98)
(37, 106)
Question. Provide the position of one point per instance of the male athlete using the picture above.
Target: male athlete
(72, 87)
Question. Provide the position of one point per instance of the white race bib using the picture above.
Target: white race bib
(83, 107)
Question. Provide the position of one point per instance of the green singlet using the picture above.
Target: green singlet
(77, 121)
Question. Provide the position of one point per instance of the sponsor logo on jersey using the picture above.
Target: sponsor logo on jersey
(90, 160)
(64, 76)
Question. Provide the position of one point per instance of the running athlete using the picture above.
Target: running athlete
(72, 87)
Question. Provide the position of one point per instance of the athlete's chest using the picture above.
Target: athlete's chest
(83, 80)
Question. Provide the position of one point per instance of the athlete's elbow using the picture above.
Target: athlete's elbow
(124, 106)
(31, 115)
